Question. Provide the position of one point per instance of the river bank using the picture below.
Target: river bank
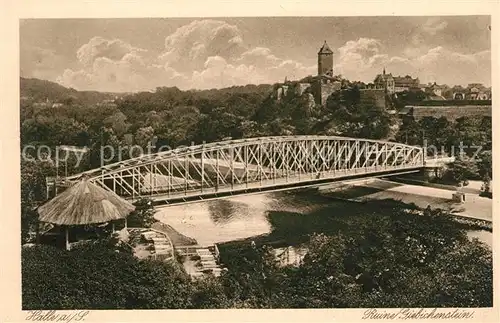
(281, 219)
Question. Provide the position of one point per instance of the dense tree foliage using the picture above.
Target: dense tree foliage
(33, 190)
(395, 260)
(94, 276)
(171, 117)
(465, 133)
(468, 139)
(463, 169)
(346, 115)
(143, 215)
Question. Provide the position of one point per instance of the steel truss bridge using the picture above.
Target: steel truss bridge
(251, 165)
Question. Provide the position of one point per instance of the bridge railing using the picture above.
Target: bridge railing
(253, 163)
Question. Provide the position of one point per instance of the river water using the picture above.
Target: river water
(245, 216)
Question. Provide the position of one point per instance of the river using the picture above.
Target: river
(245, 216)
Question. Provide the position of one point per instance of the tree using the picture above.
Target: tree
(107, 148)
(95, 276)
(473, 131)
(395, 260)
(350, 117)
(118, 123)
(252, 279)
(462, 170)
(52, 130)
(485, 164)
(143, 136)
(219, 124)
(486, 187)
(33, 192)
(180, 126)
(143, 215)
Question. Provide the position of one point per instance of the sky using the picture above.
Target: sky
(140, 54)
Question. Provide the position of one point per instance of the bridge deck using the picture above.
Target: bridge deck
(197, 194)
(253, 164)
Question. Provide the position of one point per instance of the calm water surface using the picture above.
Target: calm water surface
(245, 216)
(231, 218)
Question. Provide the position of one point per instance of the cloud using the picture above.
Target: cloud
(202, 54)
(425, 33)
(358, 59)
(219, 73)
(213, 54)
(451, 67)
(434, 25)
(363, 59)
(189, 46)
(363, 47)
(259, 56)
(98, 47)
(117, 66)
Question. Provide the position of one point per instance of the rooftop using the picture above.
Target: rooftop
(84, 203)
(325, 49)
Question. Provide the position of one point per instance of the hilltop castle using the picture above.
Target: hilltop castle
(317, 89)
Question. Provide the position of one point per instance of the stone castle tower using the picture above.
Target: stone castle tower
(325, 83)
(325, 60)
(319, 87)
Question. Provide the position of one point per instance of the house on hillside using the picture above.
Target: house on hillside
(384, 82)
(396, 84)
(435, 92)
(406, 83)
(434, 89)
(474, 91)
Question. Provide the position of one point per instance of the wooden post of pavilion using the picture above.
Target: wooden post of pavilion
(66, 229)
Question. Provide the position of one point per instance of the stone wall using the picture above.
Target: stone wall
(322, 91)
(450, 112)
(301, 87)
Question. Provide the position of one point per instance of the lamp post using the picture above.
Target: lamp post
(424, 148)
(57, 170)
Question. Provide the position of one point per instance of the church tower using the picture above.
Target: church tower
(325, 60)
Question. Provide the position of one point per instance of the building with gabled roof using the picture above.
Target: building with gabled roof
(384, 82)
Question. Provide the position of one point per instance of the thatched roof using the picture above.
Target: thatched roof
(84, 203)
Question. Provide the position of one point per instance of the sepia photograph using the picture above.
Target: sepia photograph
(323, 162)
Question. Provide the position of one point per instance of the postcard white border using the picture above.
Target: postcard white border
(12, 11)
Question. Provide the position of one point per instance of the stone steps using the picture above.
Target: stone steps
(208, 261)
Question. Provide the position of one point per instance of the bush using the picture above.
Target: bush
(392, 260)
(420, 261)
(95, 276)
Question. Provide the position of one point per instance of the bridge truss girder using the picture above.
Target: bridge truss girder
(237, 165)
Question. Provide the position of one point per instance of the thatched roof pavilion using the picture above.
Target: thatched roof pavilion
(84, 203)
